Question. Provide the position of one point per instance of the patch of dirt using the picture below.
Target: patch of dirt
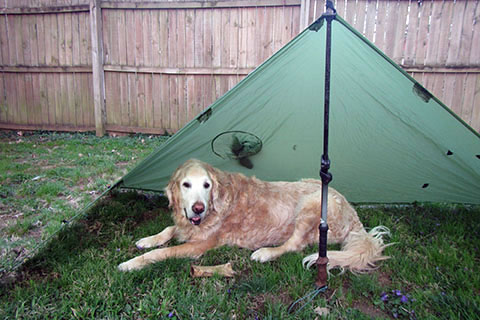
(385, 279)
(259, 301)
(370, 310)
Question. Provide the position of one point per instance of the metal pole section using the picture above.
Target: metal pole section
(326, 176)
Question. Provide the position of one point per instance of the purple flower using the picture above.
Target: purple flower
(398, 293)
(404, 299)
(170, 315)
(384, 297)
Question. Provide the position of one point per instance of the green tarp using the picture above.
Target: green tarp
(390, 140)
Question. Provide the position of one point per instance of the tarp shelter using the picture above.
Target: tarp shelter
(391, 141)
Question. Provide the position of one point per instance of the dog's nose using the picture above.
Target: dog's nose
(198, 207)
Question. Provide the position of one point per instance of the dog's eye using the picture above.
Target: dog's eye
(206, 185)
(187, 185)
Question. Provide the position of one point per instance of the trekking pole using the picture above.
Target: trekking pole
(321, 280)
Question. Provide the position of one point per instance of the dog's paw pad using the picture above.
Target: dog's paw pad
(263, 255)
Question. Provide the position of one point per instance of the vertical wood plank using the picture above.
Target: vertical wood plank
(370, 20)
(190, 32)
(121, 41)
(156, 29)
(3, 101)
(458, 92)
(157, 121)
(181, 42)
(76, 39)
(77, 100)
(190, 100)
(411, 41)
(434, 33)
(149, 107)
(208, 38)
(132, 99)
(475, 49)
(172, 38)
(68, 39)
(456, 32)
(468, 98)
(124, 98)
(466, 37)
(476, 104)
(234, 29)
(85, 42)
(147, 38)
(442, 48)
(380, 25)
(165, 102)
(62, 52)
(278, 23)
(141, 122)
(11, 98)
(139, 48)
(173, 85)
(454, 47)
(164, 41)
(199, 49)
(97, 66)
(360, 16)
(4, 41)
(112, 30)
(225, 46)
(251, 53)
(423, 32)
(267, 43)
(31, 102)
(11, 35)
(130, 36)
(399, 42)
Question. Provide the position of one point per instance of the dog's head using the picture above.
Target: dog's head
(190, 190)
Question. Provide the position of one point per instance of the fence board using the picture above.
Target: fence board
(476, 102)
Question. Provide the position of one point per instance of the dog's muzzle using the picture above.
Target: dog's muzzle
(198, 208)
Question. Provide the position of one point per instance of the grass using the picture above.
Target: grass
(45, 178)
(433, 272)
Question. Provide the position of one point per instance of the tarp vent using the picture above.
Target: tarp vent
(425, 185)
(205, 116)
(422, 92)
(238, 145)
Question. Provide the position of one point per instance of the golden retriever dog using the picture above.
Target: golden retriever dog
(212, 208)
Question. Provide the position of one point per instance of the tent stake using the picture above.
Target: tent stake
(321, 280)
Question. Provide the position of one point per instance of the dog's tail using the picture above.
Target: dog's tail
(360, 251)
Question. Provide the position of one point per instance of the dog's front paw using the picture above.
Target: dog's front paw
(145, 243)
(263, 255)
(130, 265)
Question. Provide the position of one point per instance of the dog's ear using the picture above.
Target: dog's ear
(172, 191)
(216, 200)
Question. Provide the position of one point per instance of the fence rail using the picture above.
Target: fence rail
(152, 66)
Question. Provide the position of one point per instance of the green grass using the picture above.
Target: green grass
(433, 266)
(45, 178)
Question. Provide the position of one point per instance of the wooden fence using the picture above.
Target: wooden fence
(136, 66)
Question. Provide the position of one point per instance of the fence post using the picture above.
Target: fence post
(97, 67)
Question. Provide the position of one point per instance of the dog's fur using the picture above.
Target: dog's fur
(212, 208)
